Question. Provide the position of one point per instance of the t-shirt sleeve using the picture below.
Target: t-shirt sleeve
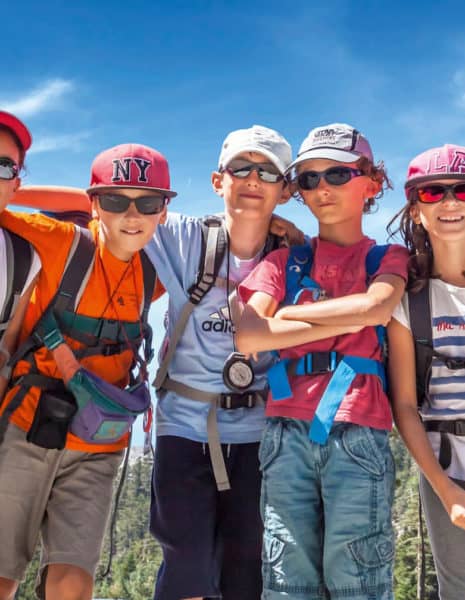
(51, 239)
(158, 291)
(394, 262)
(269, 276)
(401, 312)
(175, 251)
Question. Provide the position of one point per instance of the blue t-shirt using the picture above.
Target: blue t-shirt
(207, 340)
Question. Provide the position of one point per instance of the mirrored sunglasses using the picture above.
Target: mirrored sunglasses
(435, 192)
(267, 172)
(8, 168)
(146, 205)
(309, 180)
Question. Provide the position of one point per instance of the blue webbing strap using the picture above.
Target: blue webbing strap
(298, 280)
(337, 388)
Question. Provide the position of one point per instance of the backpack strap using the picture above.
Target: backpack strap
(214, 246)
(80, 259)
(150, 281)
(372, 263)
(344, 368)
(298, 269)
(419, 307)
(214, 243)
(19, 254)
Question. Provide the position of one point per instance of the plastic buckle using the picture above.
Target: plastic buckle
(53, 339)
(109, 329)
(459, 427)
(318, 363)
(455, 363)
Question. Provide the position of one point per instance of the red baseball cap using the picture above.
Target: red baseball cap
(131, 166)
(18, 127)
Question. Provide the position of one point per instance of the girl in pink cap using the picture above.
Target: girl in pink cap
(426, 342)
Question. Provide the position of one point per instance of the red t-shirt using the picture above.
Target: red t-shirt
(340, 271)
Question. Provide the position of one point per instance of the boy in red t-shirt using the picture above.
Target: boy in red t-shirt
(53, 482)
(328, 473)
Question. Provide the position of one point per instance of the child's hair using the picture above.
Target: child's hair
(416, 239)
(16, 140)
(434, 164)
(376, 172)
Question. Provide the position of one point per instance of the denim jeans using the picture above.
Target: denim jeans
(327, 513)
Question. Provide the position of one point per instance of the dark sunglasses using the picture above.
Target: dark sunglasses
(146, 205)
(8, 168)
(309, 180)
(429, 194)
(267, 172)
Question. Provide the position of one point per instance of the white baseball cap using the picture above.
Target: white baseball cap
(336, 141)
(260, 139)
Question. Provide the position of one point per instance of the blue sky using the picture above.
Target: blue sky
(180, 75)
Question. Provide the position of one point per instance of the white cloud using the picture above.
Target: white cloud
(59, 142)
(47, 96)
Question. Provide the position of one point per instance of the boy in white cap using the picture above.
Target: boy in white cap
(210, 410)
(54, 481)
(328, 472)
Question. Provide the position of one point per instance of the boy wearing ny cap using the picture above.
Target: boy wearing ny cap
(211, 539)
(328, 472)
(15, 140)
(63, 491)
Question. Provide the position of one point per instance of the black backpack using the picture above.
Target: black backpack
(19, 254)
(422, 332)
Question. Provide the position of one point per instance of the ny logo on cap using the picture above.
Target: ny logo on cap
(122, 169)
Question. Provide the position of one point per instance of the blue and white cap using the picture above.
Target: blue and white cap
(336, 141)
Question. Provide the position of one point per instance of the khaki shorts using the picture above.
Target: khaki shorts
(62, 495)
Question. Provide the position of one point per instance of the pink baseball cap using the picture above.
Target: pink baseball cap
(131, 166)
(18, 127)
(437, 163)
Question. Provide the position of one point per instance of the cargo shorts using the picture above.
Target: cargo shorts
(62, 496)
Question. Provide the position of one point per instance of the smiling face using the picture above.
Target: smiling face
(126, 233)
(443, 220)
(250, 197)
(8, 149)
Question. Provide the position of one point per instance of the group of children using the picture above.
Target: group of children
(272, 472)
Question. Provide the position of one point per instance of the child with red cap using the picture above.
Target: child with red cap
(426, 341)
(19, 272)
(56, 479)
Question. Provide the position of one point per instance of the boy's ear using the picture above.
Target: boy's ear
(286, 194)
(163, 216)
(373, 188)
(217, 183)
(95, 206)
(18, 183)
